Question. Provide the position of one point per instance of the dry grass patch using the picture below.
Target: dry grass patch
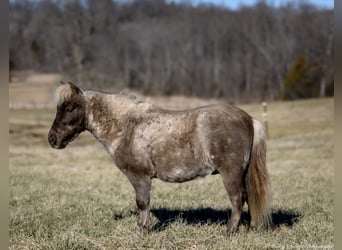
(76, 199)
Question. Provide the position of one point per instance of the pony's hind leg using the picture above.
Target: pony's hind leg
(235, 190)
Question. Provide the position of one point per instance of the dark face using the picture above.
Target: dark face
(68, 124)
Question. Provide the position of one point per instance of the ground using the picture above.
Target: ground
(76, 198)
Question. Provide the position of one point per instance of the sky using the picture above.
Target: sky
(235, 4)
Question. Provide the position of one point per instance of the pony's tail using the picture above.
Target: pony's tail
(257, 181)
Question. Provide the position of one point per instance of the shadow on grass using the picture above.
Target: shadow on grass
(212, 216)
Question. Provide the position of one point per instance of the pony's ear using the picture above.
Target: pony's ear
(74, 88)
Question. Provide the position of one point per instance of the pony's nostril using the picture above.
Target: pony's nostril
(52, 139)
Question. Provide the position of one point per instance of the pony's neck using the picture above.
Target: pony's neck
(108, 114)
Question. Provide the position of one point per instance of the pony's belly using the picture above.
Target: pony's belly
(184, 173)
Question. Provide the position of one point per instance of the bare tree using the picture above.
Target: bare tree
(165, 48)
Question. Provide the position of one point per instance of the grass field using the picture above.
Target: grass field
(77, 199)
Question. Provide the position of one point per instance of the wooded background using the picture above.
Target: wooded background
(160, 48)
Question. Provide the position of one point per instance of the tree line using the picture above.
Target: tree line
(254, 53)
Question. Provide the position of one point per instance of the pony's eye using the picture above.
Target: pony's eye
(69, 108)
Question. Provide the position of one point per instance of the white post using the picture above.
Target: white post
(264, 116)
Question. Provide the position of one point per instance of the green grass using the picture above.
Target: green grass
(77, 199)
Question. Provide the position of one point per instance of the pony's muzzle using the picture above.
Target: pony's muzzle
(52, 139)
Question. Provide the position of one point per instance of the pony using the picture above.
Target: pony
(146, 141)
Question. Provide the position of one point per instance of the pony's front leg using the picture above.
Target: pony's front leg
(143, 203)
(142, 186)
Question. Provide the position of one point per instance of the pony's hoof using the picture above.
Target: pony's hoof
(146, 228)
(231, 230)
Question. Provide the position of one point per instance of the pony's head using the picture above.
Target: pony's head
(70, 118)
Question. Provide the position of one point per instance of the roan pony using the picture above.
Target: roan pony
(146, 142)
